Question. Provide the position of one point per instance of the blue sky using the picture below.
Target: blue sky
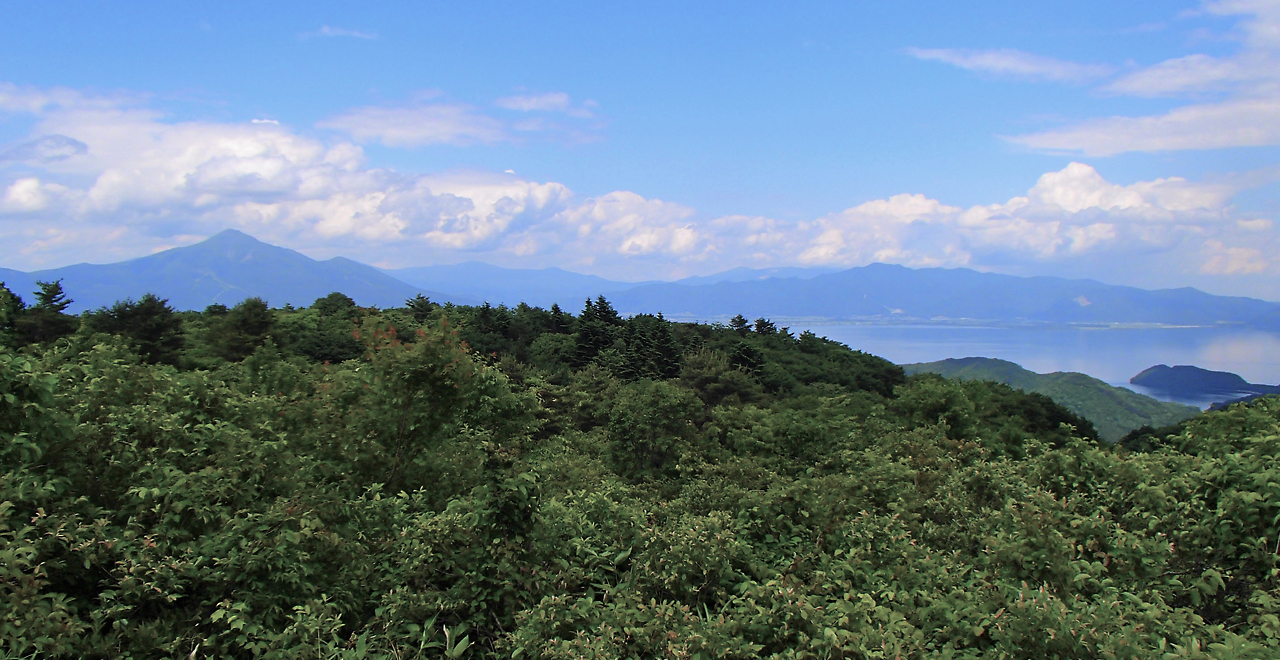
(1134, 144)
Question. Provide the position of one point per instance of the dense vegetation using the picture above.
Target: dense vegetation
(1114, 411)
(424, 482)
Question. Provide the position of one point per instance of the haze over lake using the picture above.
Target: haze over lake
(1110, 354)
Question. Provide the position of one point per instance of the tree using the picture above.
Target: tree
(335, 304)
(243, 329)
(420, 307)
(740, 324)
(11, 307)
(51, 297)
(150, 325)
(45, 321)
(598, 327)
(652, 351)
(560, 322)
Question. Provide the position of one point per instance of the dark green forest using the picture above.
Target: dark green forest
(491, 482)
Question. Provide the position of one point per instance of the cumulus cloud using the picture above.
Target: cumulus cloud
(106, 180)
(119, 164)
(1014, 63)
(1225, 260)
(30, 194)
(624, 223)
(1067, 215)
(1236, 99)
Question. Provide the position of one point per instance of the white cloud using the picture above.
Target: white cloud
(1014, 63)
(417, 126)
(1238, 123)
(43, 149)
(328, 31)
(1192, 74)
(427, 123)
(30, 194)
(624, 223)
(121, 181)
(1237, 98)
(1225, 260)
(548, 102)
(1068, 215)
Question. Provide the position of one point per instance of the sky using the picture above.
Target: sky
(1134, 143)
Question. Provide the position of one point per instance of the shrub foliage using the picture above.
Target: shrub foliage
(492, 482)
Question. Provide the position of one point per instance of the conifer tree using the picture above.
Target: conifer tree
(51, 296)
(150, 324)
(46, 321)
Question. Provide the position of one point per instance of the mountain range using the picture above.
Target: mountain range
(887, 292)
(231, 266)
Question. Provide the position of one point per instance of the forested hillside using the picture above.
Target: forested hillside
(492, 482)
(1114, 411)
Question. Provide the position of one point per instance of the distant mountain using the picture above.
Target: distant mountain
(751, 274)
(1190, 382)
(231, 266)
(226, 268)
(542, 287)
(1114, 411)
(511, 286)
(1269, 321)
(896, 293)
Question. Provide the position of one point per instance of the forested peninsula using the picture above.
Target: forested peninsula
(513, 482)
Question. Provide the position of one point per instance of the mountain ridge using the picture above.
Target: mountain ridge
(232, 265)
(892, 292)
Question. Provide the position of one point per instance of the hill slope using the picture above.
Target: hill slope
(1191, 382)
(226, 268)
(1114, 411)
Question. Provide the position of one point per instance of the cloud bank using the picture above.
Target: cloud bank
(102, 178)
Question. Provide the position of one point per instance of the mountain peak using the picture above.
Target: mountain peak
(230, 237)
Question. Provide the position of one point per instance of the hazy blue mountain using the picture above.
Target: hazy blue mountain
(542, 287)
(231, 266)
(889, 292)
(511, 286)
(1114, 411)
(226, 268)
(1269, 321)
(1190, 382)
(752, 274)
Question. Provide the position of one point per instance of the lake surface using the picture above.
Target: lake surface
(1110, 354)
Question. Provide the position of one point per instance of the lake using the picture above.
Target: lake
(1111, 354)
